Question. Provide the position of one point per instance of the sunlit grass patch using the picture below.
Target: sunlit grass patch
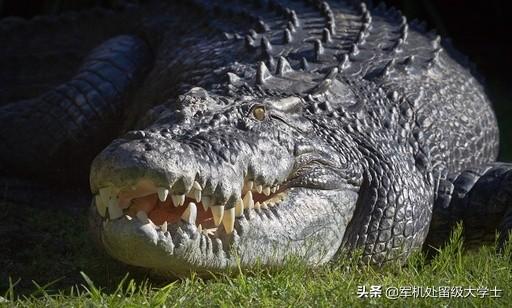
(96, 280)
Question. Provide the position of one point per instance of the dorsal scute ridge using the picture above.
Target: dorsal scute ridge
(262, 73)
(249, 42)
(290, 26)
(318, 49)
(326, 36)
(345, 62)
(326, 9)
(266, 46)
(287, 36)
(436, 42)
(388, 68)
(262, 27)
(294, 19)
(283, 66)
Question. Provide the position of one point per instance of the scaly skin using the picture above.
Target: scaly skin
(289, 128)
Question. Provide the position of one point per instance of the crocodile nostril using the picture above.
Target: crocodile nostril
(148, 147)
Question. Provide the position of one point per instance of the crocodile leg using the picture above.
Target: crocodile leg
(391, 218)
(480, 198)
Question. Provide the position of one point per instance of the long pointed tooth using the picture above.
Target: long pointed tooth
(218, 213)
(143, 217)
(162, 194)
(197, 186)
(264, 205)
(266, 191)
(182, 199)
(259, 188)
(239, 207)
(100, 206)
(128, 217)
(190, 213)
(200, 228)
(229, 220)
(274, 189)
(257, 205)
(114, 211)
(163, 228)
(206, 201)
(197, 195)
(178, 200)
(248, 201)
(175, 200)
(105, 194)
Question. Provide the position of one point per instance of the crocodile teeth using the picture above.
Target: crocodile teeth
(114, 211)
(143, 217)
(178, 200)
(197, 195)
(190, 213)
(163, 228)
(218, 212)
(274, 189)
(239, 208)
(266, 191)
(162, 194)
(200, 228)
(229, 220)
(206, 202)
(248, 201)
(106, 194)
(264, 205)
(257, 205)
(197, 186)
(259, 189)
(100, 206)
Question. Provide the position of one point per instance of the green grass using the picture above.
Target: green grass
(47, 259)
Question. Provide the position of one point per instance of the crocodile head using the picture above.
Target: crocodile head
(224, 182)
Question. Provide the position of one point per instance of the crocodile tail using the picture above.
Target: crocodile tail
(42, 52)
(64, 127)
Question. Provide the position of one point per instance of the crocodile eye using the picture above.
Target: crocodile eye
(259, 113)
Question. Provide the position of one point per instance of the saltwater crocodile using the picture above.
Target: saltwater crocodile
(253, 131)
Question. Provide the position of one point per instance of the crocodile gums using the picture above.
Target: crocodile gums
(249, 132)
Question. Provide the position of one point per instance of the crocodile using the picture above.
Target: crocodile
(221, 135)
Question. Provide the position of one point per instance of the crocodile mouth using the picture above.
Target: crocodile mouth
(158, 207)
(181, 215)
